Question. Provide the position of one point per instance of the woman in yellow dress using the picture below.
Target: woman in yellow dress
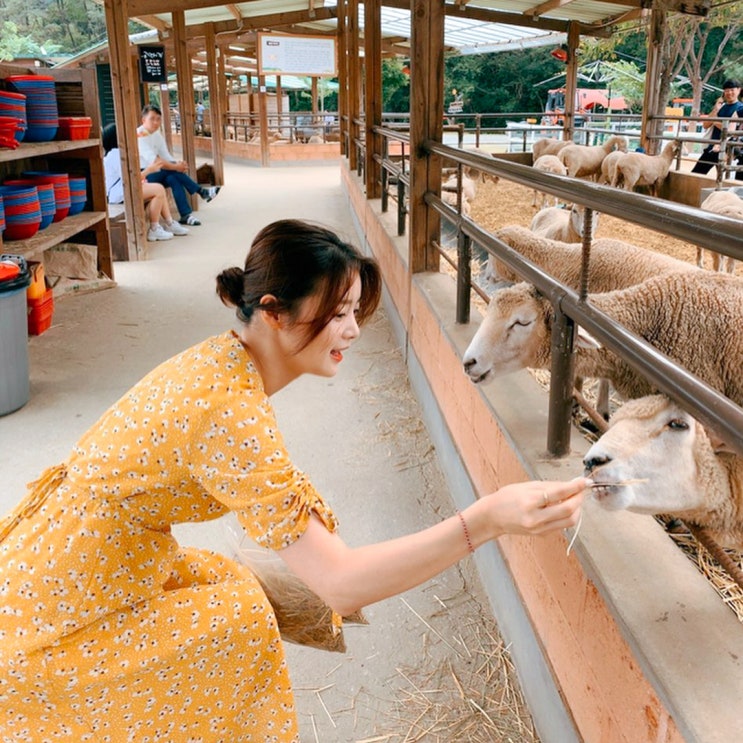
(109, 631)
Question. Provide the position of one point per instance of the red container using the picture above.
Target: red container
(74, 127)
(40, 313)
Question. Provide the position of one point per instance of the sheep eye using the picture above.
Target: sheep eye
(520, 324)
(677, 424)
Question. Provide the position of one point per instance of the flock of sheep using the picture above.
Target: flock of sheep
(655, 458)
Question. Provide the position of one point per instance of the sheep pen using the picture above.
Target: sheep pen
(509, 203)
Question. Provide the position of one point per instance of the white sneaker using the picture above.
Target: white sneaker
(177, 229)
(156, 232)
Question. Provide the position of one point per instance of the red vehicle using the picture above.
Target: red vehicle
(587, 100)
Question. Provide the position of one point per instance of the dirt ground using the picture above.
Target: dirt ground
(505, 203)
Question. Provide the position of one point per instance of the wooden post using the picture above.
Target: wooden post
(426, 122)
(215, 104)
(571, 82)
(263, 121)
(342, 42)
(185, 92)
(165, 108)
(126, 108)
(354, 77)
(279, 106)
(373, 96)
(652, 78)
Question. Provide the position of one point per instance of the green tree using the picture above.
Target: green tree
(13, 45)
(395, 86)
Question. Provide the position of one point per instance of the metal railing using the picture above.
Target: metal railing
(712, 231)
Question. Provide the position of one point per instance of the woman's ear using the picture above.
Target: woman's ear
(274, 319)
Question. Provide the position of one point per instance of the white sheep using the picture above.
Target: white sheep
(565, 225)
(688, 316)
(609, 166)
(584, 160)
(614, 264)
(727, 204)
(547, 146)
(548, 164)
(656, 458)
(471, 177)
(639, 169)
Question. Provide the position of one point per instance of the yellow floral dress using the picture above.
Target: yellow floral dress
(111, 632)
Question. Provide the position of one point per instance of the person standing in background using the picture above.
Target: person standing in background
(728, 106)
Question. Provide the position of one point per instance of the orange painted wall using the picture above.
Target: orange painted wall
(610, 699)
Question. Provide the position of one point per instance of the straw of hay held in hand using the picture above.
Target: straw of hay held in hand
(302, 616)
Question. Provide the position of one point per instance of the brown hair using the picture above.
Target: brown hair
(292, 260)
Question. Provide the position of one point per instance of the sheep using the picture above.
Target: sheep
(655, 458)
(613, 265)
(547, 146)
(471, 177)
(609, 166)
(548, 164)
(727, 204)
(582, 160)
(565, 225)
(687, 316)
(639, 169)
(315, 139)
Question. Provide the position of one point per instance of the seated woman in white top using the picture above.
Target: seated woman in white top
(155, 196)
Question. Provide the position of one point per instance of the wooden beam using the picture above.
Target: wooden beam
(657, 30)
(571, 82)
(126, 107)
(215, 106)
(155, 7)
(235, 12)
(186, 104)
(542, 8)
(511, 19)
(159, 24)
(373, 94)
(263, 121)
(426, 122)
(342, 42)
(354, 81)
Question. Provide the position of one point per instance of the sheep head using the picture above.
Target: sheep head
(515, 333)
(658, 450)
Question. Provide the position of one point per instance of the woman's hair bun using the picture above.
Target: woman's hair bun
(230, 283)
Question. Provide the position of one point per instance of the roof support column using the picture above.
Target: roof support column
(426, 122)
(373, 94)
(354, 77)
(342, 40)
(215, 103)
(186, 105)
(656, 34)
(571, 82)
(126, 108)
(263, 121)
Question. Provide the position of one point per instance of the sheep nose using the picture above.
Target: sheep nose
(598, 460)
(469, 363)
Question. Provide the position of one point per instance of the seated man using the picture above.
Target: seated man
(171, 173)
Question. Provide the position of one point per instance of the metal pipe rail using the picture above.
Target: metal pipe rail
(709, 406)
(722, 234)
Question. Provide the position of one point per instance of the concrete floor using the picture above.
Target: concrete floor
(359, 436)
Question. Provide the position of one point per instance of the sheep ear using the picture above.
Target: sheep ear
(585, 340)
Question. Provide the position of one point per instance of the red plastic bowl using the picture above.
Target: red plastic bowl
(21, 231)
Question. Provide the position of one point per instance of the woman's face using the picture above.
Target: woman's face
(325, 352)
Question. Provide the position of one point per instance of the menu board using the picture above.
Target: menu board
(296, 55)
(152, 64)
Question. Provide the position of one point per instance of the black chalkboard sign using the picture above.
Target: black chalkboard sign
(152, 64)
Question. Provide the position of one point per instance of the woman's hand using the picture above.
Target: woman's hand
(532, 507)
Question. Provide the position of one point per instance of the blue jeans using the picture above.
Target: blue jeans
(179, 184)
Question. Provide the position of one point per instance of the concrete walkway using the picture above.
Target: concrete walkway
(359, 436)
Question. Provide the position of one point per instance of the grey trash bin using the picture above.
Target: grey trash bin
(14, 384)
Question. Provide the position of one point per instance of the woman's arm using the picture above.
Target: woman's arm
(348, 579)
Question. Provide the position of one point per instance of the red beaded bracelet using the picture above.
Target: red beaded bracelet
(466, 532)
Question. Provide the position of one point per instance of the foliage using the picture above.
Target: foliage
(395, 86)
(65, 25)
(12, 45)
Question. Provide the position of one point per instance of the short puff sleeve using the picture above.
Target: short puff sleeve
(238, 457)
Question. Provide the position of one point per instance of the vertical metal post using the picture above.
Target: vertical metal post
(384, 175)
(464, 277)
(401, 210)
(561, 385)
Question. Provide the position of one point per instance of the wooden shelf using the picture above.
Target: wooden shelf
(55, 233)
(37, 149)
